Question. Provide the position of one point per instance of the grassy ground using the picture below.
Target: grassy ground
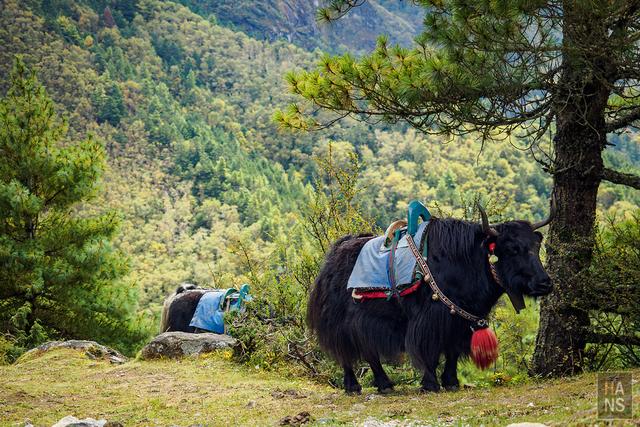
(214, 391)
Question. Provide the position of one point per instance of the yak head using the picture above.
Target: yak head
(514, 248)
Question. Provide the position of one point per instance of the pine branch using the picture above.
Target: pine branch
(596, 338)
(628, 179)
(337, 9)
(623, 121)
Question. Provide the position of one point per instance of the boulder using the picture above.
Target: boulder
(173, 345)
(92, 350)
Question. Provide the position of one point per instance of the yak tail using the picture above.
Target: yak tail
(164, 319)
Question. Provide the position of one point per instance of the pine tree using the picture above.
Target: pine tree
(513, 70)
(109, 104)
(59, 275)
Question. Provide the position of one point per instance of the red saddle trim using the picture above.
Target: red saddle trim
(365, 295)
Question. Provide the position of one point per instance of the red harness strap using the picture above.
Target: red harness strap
(365, 295)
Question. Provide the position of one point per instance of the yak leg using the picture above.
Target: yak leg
(429, 379)
(450, 373)
(380, 378)
(351, 384)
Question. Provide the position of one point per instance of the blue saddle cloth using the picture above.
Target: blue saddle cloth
(371, 270)
(209, 314)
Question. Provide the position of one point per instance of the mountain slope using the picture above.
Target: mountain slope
(199, 170)
(296, 22)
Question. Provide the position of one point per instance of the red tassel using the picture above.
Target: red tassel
(484, 348)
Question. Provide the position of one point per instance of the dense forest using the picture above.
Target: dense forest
(210, 190)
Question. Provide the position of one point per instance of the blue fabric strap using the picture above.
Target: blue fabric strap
(392, 258)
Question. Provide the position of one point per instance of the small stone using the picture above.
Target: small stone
(251, 404)
(297, 420)
(71, 421)
(278, 394)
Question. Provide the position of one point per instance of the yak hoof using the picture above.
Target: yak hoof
(453, 387)
(385, 390)
(430, 388)
(353, 389)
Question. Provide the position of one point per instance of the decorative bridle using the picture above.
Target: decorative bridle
(438, 295)
(492, 258)
(484, 343)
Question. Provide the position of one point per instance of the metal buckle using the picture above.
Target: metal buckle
(482, 323)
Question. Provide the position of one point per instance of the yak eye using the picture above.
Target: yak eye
(511, 250)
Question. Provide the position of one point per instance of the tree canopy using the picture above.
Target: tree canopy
(489, 67)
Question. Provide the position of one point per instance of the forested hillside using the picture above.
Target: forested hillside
(183, 100)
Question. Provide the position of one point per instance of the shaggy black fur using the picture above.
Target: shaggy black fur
(379, 330)
(185, 287)
(179, 308)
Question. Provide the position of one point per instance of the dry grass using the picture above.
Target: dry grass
(214, 391)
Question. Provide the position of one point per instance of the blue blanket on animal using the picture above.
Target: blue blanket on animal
(209, 314)
(371, 270)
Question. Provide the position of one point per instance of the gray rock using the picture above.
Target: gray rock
(71, 421)
(92, 350)
(174, 345)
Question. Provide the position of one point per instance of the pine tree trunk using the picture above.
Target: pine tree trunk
(563, 323)
(580, 100)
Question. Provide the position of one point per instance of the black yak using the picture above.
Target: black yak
(179, 309)
(377, 330)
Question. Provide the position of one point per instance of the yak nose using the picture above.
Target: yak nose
(542, 287)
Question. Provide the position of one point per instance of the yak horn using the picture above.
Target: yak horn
(552, 214)
(488, 229)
